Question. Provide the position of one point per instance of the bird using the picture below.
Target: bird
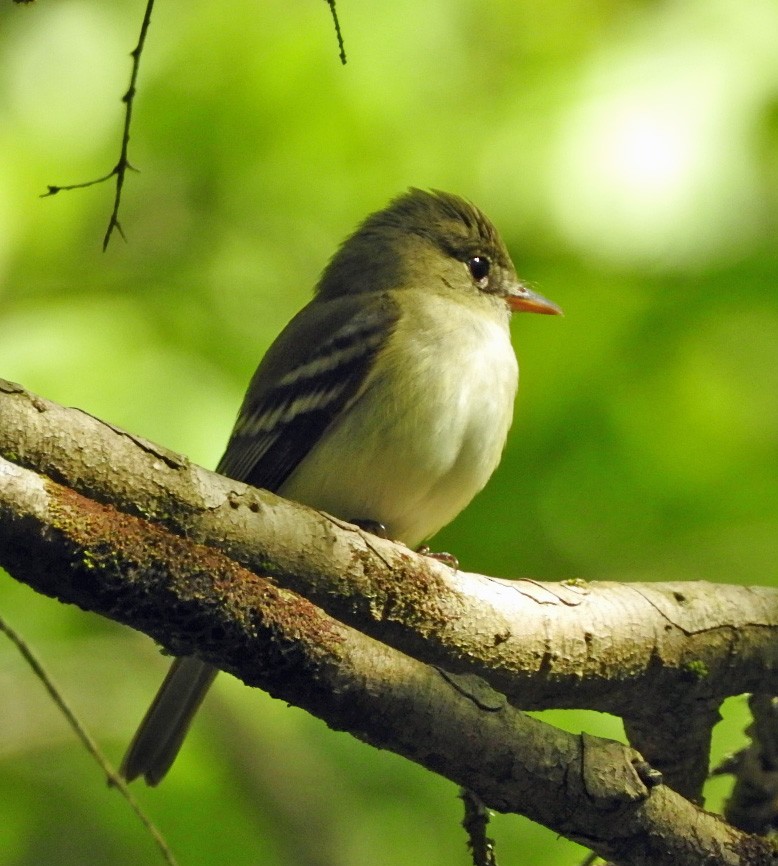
(386, 401)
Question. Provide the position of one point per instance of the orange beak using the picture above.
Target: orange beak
(524, 300)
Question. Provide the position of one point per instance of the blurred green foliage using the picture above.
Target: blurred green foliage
(627, 150)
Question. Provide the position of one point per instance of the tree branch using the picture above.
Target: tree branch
(192, 598)
(115, 524)
(123, 165)
(605, 646)
(753, 805)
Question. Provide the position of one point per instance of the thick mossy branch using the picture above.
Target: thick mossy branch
(620, 648)
(195, 599)
(240, 577)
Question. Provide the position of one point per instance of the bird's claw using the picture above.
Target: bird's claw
(446, 558)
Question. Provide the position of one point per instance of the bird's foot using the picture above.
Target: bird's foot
(375, 527)
(446, 558)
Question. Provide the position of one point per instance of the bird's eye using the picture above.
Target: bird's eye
(479, 267)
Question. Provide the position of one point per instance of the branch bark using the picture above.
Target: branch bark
(102, 519)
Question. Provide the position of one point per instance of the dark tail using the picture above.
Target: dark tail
(163, 729)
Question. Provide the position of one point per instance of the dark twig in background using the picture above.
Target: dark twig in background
(338, 33)
(114, 780)
(119, 171)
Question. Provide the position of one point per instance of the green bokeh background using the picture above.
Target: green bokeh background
(628, 151)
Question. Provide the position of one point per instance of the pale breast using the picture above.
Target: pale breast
(428, 429)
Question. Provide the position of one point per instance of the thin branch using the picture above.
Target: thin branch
(114, 779)
(119, 171)
(338, 34)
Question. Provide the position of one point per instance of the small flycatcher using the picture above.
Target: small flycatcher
(386, 400)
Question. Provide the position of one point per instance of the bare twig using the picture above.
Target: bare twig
(475, 822)
(119, 171)
(114, 780)
(336, 23)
